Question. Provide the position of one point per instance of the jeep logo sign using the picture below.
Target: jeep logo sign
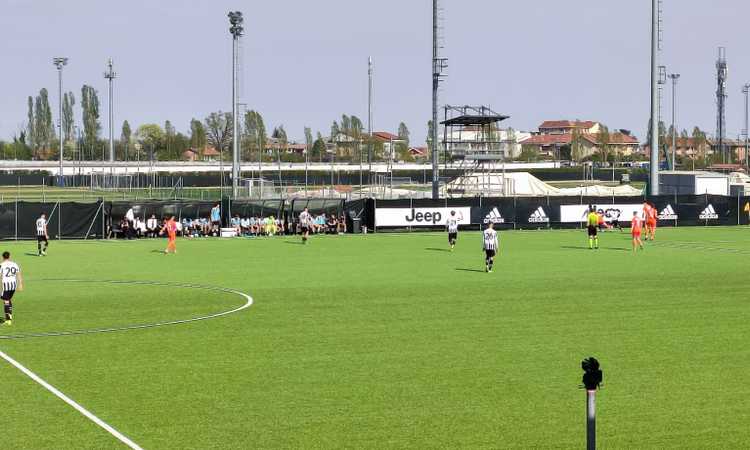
(419, 217)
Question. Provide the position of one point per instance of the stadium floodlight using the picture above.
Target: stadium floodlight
(60, 62)
(592, 379)
(236, 30)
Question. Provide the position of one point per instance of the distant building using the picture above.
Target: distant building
(555, 139)
(567, 126)
(207, 154)
(476, 137)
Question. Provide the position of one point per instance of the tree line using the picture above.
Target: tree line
(39, 139)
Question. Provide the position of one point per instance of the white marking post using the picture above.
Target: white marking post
(121, 437)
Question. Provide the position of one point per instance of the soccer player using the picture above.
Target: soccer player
(12, 281)
(305, 223)
(41, 235)
(650, 214)
(171, 228)
(452, 225)
(636, 225)
(490, 246)
(592, 221)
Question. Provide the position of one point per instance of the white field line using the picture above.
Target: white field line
(89, 415)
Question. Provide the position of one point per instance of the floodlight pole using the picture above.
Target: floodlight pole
(369, 124)
(746, 90)
(60, 62)
(436, 71)
(590, 419)
(110, 75)
(236, 29)
(654, 175)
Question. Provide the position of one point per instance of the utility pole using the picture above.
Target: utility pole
(438, 65)
(369, 123)
(655, 39)
(674, 77)
(236, 29)
(721, 99)
(110, 75)
(60, 62)
(746, 90)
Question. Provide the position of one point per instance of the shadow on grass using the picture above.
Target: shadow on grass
(32, 254)
(294, 242)
(470, 270)
(157, 251)
(610, 249)
(433, 249)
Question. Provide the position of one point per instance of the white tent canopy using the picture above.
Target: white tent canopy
(525, 184)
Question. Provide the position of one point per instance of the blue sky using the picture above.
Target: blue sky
(305, 63)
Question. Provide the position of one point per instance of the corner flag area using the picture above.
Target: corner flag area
(379, 341)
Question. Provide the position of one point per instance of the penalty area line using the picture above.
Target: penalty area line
(88, 414)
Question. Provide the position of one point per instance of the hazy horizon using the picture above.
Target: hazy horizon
(305, 63)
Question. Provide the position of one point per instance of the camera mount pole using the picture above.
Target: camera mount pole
(590, 419)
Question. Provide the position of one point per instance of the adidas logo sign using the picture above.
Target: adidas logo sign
(709, 213)
(668, 213)
(494, 217)
(539, 216)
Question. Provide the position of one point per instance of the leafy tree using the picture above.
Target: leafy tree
(219, 130)
(91, 125)
(170, 152)
(529, 153)
(152, 137)
(125, 137)
(30, 126)
(255, 135)
(308, 143)
(197, 135)
(603, 141)
(576, 145)
(403, 133)
(68, 119)
(700, 143)
(318, 148)
(43, 126)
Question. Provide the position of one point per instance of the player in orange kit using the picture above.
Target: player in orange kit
(636, 225)
(171, 228)
(650, 215)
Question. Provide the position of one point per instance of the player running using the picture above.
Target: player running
(490, 246)
(41, 235)
(651, 215)
(12, 281)
(592, 221)
(636, 225)
(452, 225)
(171, 228)
(305, 223)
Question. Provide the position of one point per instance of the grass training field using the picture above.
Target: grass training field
(383, 341)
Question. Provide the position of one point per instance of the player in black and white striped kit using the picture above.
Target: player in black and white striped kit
(41, 235)
(12, 282)
(305, 223)
(452, 225)
(490, 246)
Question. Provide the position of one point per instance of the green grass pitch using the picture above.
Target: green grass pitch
(385, 341)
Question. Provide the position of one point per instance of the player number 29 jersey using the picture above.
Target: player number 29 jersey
(490, 239)
(10, 272)
(41, 225)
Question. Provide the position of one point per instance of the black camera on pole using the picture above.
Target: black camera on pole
(592, 374)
